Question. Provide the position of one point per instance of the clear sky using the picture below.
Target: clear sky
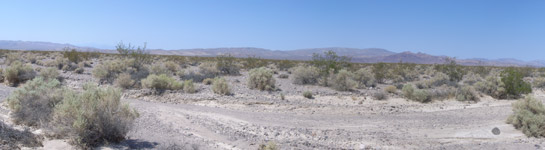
(460, 28)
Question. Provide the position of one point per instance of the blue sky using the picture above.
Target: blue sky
(460, 28)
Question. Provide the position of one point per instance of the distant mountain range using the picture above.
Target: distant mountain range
(368, 55)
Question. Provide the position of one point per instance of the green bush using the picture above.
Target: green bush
(220, 86)
(305, 75)
(254, 62)
(343, 81)
(514, 85)
(161, 82)
(227, 65)
(365, 78)
(139, 57)
(492, 86)
(408, 91)
(17, 73)
(329, 61)
(124, 81)
(189, 87)
(308, 94)
(454, 71)
(262, 79)
(73, 55)
(421, 96)
(49, 73)
(528, 116)
(380, 71)
(33, 103)
(466, 93)
(93, 116)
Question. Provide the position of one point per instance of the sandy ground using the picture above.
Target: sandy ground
(333, 120)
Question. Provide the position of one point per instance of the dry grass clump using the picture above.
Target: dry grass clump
(390, 89)
(269, 146)
(308, 94)
(189, 87)
(261, 79)
(343, 81)
(305, 75)
(207, 81)
(380, 95)
(17, 73)
(161, 82)
(529, 116)
(124, 81)
(33, 103)
(49, 73)
(93, 116)
(466, 93)
(220, 86)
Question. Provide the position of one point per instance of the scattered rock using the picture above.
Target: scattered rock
(496, 131)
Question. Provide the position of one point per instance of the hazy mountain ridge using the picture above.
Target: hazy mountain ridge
(368, 55)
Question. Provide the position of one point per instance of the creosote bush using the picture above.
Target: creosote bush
(93, 116)
(49, 73)
(365, 78)
(261, 79)
(18, 72)
(220, 86)
(343, 81)
(305, 75)
(492, 86)
(514, 85)
(466, 93)
(227, 65)
(161, 82)
(124, 81)
(33, 103)
(416, 94)
(189, 87)
(528, 116)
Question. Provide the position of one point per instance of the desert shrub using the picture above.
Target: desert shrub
(329, 61)
(226, 64)
(308, 94)
(209, 69)
(269, 146)
(466, 93)
(93, 116)
(305, 75)
(207, 81)
(380, 95)
(11, 138)
(454, 71)
(492, 86)
(195, 76)
(421, 96)
(139, 57)
(365, 78)
(283, 76)
(471, 78)
(438, 79)
(285, 65)
(408, 91)
(189, 87)
(12, 57)
(539, 82)
(17, 73)
(282, 96)
(161, 82)
(49, 73)
(220, 86)
(343, 81)
(33, 103)
(390, 89)
(158, 68)
(254, 62)
(124, 81)
(380, 71)
(108, 71)
(528, 116)
(1, 75)
(514, 85)
(58, 63)
(442, 93)
(172, 66)
(73, 55)
(262, 79)
(79, 70)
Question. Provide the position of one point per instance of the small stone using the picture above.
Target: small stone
(496, 131)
